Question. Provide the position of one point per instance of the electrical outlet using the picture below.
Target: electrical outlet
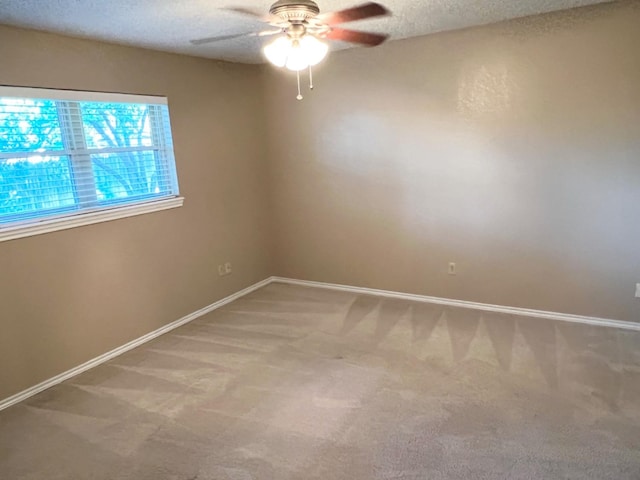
(637, 290)
(224, 269)
(452, 268)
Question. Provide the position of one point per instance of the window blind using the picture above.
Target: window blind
(66, 153)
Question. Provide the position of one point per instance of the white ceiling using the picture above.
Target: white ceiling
(168, 25)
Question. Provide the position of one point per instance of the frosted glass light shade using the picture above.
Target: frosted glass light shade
(314, 49)
(278, 51)
(297, 59)
(295, 54)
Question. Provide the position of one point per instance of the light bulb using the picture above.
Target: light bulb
(314, 49)
(278, 51)
(297, 59)
(295, 53)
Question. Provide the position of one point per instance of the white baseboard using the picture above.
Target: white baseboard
(564, 317)
(18, 397)
(602, 322)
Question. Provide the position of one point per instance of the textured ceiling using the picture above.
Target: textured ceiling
(169, 24)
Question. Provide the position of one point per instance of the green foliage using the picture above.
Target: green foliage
(28, 125)
(26, 187)
(35, 177)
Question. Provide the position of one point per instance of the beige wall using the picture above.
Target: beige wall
(512, 150)
(69, 296)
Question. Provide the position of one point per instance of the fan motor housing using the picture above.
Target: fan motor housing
(294, 11)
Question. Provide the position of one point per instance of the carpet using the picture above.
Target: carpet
(293, 382)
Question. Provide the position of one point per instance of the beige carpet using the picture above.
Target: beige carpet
(301, 383)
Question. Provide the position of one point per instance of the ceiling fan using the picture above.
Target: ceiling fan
(301, 29)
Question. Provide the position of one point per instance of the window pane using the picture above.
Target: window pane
(116, 125)
(65, 154)
(28, 125)
(129, 175)
(36, 183)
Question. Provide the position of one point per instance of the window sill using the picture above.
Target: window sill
(80, 219)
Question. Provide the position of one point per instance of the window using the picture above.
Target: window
(72, 158)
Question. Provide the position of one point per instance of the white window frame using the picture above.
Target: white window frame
(87, 216)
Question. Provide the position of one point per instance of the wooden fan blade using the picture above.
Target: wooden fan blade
(365, 38)
(203, 41)
(366, 10)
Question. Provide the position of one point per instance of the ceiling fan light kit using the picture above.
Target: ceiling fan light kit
(295, 53)
(302, 31)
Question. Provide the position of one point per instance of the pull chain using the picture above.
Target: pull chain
(310, 79)
(299, 97)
